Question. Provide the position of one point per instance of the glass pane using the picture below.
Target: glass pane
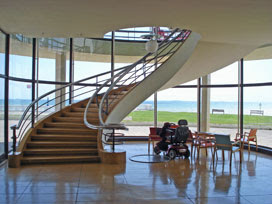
(53, 59)
(91, 57)
(227, 75)
(2, 85)
(178, 103)
(193, 82)
(20, 57)
(258, 71)
(2, 53)
(19, 99)
(47, 105)
(224, 111)
(258, 113)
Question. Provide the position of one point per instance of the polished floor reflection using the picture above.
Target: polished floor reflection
(177, 181)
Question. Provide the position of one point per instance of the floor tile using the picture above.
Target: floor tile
(265, 199)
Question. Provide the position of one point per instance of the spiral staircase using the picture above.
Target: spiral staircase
(74, 133)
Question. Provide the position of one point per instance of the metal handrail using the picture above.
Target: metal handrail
(181, 35)
(22, 125)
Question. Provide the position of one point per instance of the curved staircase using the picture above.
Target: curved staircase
(74, 134)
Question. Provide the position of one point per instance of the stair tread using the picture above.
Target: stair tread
(59, 149)
(67, 129)
(60, 157)
(62, 123)
(60, 142)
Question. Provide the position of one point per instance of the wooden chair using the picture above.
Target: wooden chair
(153, 136)
(204, 140)
(247, 138)
(222, 142)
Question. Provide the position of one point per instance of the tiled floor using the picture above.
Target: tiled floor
(177, 181)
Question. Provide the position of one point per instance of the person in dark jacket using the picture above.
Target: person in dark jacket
(164, 130)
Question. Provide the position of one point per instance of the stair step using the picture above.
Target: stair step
(61, 144)
(64, 125)
(66, 131)
(92, 106)
(74, 119)
(76, 138)
(56, 152)
(79, 109)
(79, 114)
(59, 159)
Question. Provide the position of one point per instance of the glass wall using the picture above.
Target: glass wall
(258, 100)
(53, 59)
(258, 71)
(226, 75)
(258, 113)
(2, 93)
(178, 103)
(20, 58)
(19, 99)
(2, 53)
(2, 85)
(224, 110)
(91, 57)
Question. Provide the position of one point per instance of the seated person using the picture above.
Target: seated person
(182, 132)
(164, 131)
(163, 145)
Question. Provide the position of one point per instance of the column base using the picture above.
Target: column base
(14, 160)
(109, 157)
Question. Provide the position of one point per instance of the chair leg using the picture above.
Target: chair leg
(241, 156)
(230, 158)
(248, 147)
(256, 146)
(223, 155)
(148, 146)
(213, 156)
(206, 151)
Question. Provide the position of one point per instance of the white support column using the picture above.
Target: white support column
(155, 110)
(205, 104)
(60, 76)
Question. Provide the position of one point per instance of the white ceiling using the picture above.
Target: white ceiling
(230, 29)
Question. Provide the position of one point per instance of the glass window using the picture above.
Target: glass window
(2, 52)
(20, 57)
(2, 138)
(226, 75)
(48, 104)
(91, 57)
(193, 82)
(53, 59)
(258, 71)
(258, 113)
(224, 110)
(19, 99)
(178, 103)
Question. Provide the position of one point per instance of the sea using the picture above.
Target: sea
(191, 106)
(171, 106)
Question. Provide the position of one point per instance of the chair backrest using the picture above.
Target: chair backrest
(154, 130)
(252, 135)
(223, 142)
(181, 134)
